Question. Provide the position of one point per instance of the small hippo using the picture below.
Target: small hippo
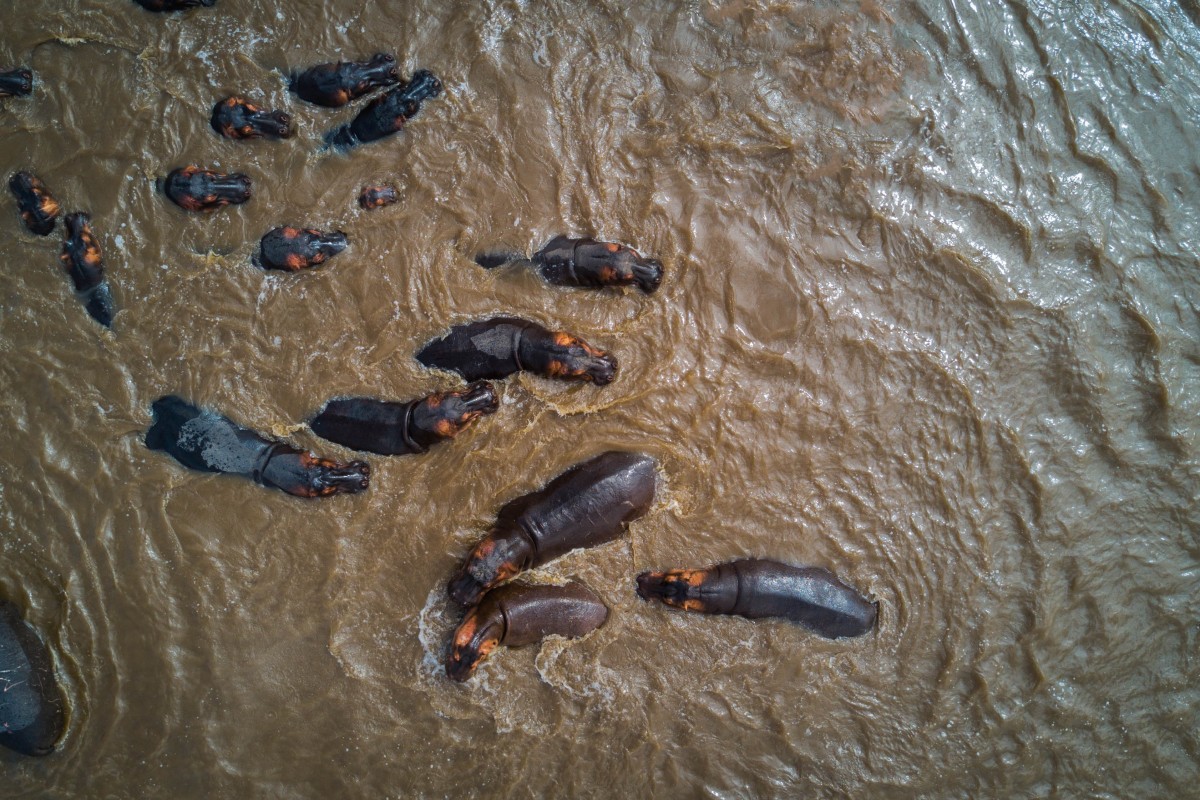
(82, 262)
(38, 208)
(195, 189)
(377, 196)
(235, 118)
(335, 85)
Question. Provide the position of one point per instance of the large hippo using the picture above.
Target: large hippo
(195, 189)
(16, 83)
(294, 249)
(586, 506)
(32, 715)
(586, 263)
(520, 614)
(82, 262)
(237, 118)
(207, 441)
(393, 429)
(335, 85)
(173, 5)
(500, 346)
(755, 588)
(38, 208)
(387, 113)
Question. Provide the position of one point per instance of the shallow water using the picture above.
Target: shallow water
(929, 321)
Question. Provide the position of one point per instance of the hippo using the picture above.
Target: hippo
(754, 588)
(387, 113)
(586, 506)
(391, 429)
(335, 85)
(195, 189)
(82, 262)
(372, 197)
(236, 118)
(173, 5)
(520, 614)
(39, 210)
(585, 263)
(501, 346)
(206, 441)
(294, 249)
(32, 711)
(16, 83)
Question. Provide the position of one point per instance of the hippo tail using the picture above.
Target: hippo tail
(494, 258)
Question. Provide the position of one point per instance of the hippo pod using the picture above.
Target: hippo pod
(82, 262)
(173, 5)
(755, 588)
(586, 506)
(500, 346)
(335, 85)
(387, 113)
(16, 83)
(520, 614)
(38, 208)
(398, 428)
(377, 197)
(235, 118)
(206, 441)
(294, 249)
(32, 717)
(195, 189)
(586, 263)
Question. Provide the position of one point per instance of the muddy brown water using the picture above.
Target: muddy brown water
(929, 321)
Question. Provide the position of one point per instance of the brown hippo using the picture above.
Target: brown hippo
(32, 712)
(195, 189)
(387, 113)
(16, 83)
(335, 85)
(500, 346)
(294, 249)
(755, 588)
(520, 614)
(209, 442)
(586, 263)
(586, 506)
(399, 428)
(38, 208)
(82, 262)
(236, 118)
(377, 196)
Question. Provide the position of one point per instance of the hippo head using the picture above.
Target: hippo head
(480, 632)
(421, 87)
(500, 556)
(444, 415)
(680, 588)
(648, 274)
(17, 83)
(562, 355)
(306, 475)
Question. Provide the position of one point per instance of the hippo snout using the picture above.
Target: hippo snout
(481, 397)
(604, 370)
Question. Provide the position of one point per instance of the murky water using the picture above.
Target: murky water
(929, 321)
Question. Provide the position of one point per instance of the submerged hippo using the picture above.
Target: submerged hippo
(294, 249)
(586, 506)
(235, 118)
(520, 614)
(81, 260)
(206, 441)
(586, 263)
(398, 428)
(387, 113)
(335, 85)
(173, 5)
(377, 196)
(16, 83)
(755, 588)
(195, 189)
(32, 716)
(500, 346)
(38, 208)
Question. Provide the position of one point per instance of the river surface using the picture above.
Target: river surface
(929, 321)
